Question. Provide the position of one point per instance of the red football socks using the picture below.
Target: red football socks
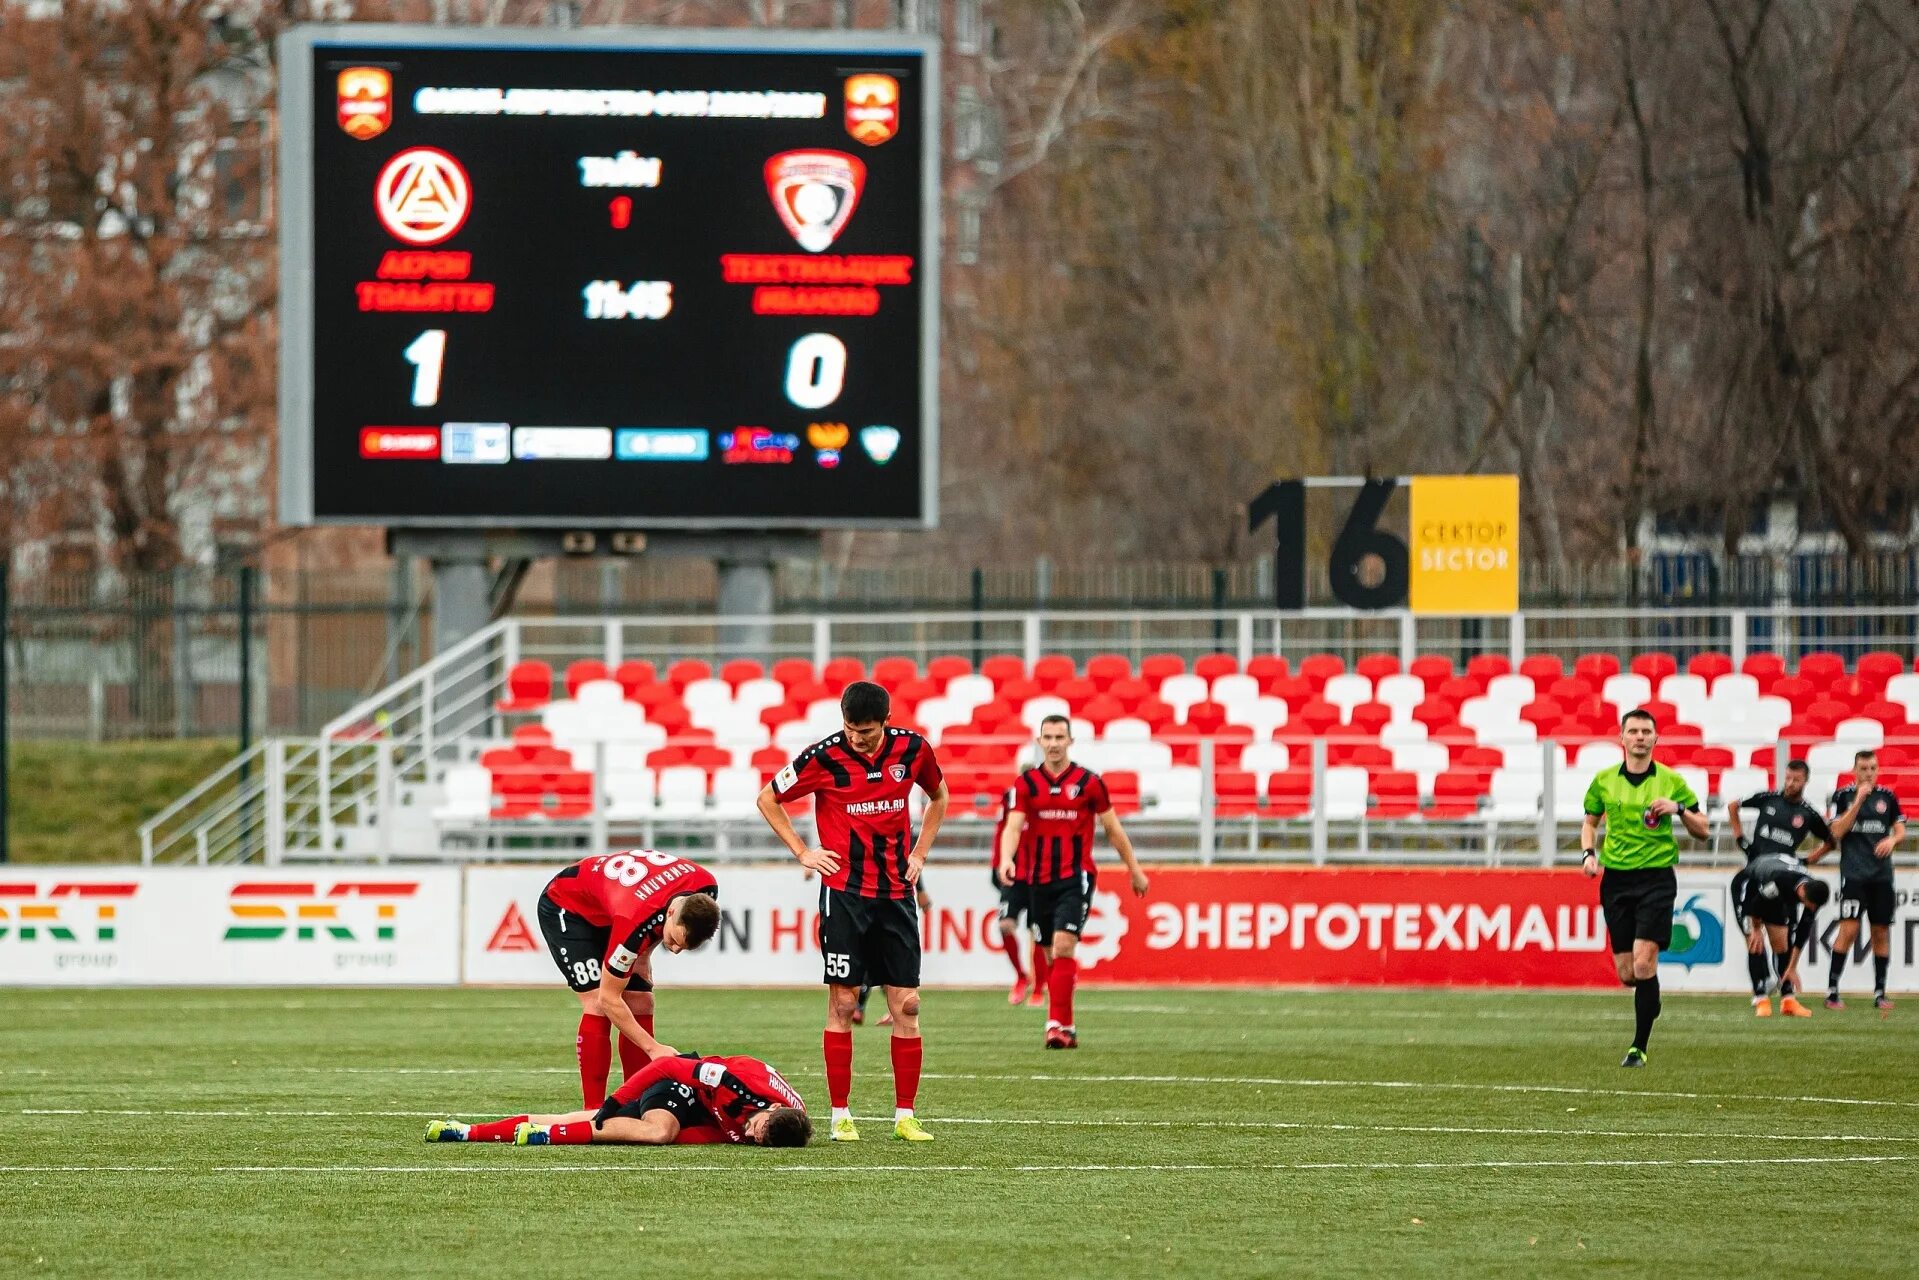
(1042, 966)
(576, 1133)
(1011, 942)
(839, 1067)
(596, 1055)
(494, 1130)
(907, 1051)
(1065, 974)
(632, 1057)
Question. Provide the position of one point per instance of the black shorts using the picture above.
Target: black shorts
(578, 947)
(1873, 899)
(1015, 902)
(1060, 906)
(869, 941)
(1638, 906)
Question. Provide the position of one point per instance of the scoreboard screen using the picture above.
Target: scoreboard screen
(546, 279)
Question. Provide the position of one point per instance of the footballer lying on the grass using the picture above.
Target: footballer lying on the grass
(680, 1100)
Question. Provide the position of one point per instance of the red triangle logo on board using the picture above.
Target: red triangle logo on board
(511, 934)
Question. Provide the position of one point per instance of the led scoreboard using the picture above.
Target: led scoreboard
(544, 279)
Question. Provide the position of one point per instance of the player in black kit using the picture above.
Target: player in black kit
(1785, 820)
(1868, 823)
(1783, 896)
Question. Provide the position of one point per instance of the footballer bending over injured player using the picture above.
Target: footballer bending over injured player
(1784, 822)
(682, 1100)
(1052, 828)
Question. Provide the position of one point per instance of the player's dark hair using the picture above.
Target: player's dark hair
(864, 702)
(788, 1127)
(1637, 713)
(1818, 893)
(1857, 756)
(700, 917)
(1800, 765)
(1046, 720)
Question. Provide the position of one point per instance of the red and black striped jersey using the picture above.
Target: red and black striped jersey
(731, 1089)
(1059, 821)
(628, 892)
(861, 808)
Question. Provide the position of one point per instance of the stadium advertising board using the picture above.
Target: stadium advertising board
(251, 927)
(1463, 544)
(544, 278)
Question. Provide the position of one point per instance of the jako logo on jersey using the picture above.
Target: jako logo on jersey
(1698, 936)
(28, 915)
(422, 196)
(264, 910)
(1106, 924)
(365, 101)
(815, 192)
(877, 806)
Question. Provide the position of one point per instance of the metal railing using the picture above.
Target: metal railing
(365, 786)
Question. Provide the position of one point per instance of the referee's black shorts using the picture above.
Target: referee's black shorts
(1638, 906)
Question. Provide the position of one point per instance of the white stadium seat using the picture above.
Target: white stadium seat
(1263, 760)
(1181, 692)
(467, 795)
(1261, 715)
(736, 792)
(629, 794)
(1626, 691)
(1174, 792)
(969, 691)
(682, 792)
(1346, 692)
(1346, 793)
(1515, 795)
(1233, 691)
(1402, 693)
(1741, 781)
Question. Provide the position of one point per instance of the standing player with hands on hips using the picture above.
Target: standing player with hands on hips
(1640, 803)
(1869, 824)
(869, 866)
(1051, 829)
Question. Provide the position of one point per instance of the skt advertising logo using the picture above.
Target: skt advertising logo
(365, 912)
(61, 912)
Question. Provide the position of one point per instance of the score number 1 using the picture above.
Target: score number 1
(427, 355)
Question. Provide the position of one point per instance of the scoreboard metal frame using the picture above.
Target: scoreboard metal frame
(296, 54)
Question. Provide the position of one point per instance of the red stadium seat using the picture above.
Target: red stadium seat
(501, 760)
(1459, 689)
(1107, 669)
(1655, 667)
(1289, 794)
(1320, 668)
(913, 692)
(1101, 711)
(1020, 688)
(1267, 666)
(1395, 794)
(1154, 670)
(1596, 668)
(1570, 691)
(1294, 691)
(529, 737)
(1129, 692)
(1432, 669)
(1211, 666)
(519, 795)
(1484, 759)
(1205, 717)
(670, 716)
(1878, 667)
(1377, 666)
(1827, 712)
(1229, 743)
(1542, 712)
(1488, 667)
(571, 794)
(1122, 787)
(1794, 689)
(1155, 713)
(840, 672)
(1542, 669)
(1853, 692)
(1663, 713)
(769, 761)
(1435, 712)
(1821, 668)
(1368, 755)
(634, 675)
(1235, 793)
(1456, 794)
(1316, 716)
(1371, 718)
(740, 670)
(891, 673)
(1765, 668)
(650, 696)
(942, 669)
(792, 671)
(1709, 666)
(1076, 691)
(578, 673)
(1052, 670)
(529, 686)
(686, 671)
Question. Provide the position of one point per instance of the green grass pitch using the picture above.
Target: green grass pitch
(1197, 1133)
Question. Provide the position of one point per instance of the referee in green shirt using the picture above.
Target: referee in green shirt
(1638, 802)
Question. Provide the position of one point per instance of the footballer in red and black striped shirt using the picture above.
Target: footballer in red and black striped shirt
(869, 866)
(1052, 830)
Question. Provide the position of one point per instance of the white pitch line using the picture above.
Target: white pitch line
(1422, 1084)
(1281, 1125)
(751, 1165)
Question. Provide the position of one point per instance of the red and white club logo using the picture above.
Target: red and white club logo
(815, 193)
(422, 196)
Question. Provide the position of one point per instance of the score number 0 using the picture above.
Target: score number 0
(815, 369)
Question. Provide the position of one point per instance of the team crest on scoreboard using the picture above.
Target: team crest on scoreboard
(815, 193)
(872, 108)
(365, 102)
(422, 196)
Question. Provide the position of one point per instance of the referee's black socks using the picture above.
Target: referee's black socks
(1645, 1007)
